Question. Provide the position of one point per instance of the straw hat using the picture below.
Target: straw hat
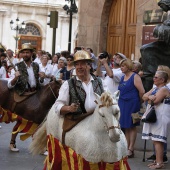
(82, 55)
(26, 46)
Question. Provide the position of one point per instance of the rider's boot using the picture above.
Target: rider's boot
(13, 147)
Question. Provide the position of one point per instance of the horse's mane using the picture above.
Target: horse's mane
(106, 99)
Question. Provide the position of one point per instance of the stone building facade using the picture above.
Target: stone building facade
(96, 20)
(35, 14)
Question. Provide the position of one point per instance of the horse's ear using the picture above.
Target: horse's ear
(116, 95)
(97, 97)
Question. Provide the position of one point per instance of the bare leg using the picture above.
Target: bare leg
(131, 134)
(159, 148)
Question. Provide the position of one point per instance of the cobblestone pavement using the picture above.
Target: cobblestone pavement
(23, 160)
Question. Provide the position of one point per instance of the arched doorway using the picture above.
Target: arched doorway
(122, 27)
(31, 34)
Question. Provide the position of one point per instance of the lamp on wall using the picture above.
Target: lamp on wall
(70, 10)
(17, 27)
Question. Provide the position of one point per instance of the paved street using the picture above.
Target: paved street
(22, 160)
(25, 161)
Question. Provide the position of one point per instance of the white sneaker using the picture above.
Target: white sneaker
(45, 153)
(13, 148)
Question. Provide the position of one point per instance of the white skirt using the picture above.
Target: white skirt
(158, 131)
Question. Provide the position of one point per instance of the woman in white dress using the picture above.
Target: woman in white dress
(158, 131)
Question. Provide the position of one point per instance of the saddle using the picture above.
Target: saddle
(17, 98)
(70, 121)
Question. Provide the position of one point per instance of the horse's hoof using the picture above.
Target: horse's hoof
(13, 148)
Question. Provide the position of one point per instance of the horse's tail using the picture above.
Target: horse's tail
(39, 141)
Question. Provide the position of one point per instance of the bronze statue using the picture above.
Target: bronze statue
(156, 53)
(164, 4)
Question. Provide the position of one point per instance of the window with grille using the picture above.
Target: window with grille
(30, 29)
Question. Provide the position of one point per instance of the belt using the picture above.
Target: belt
(31, 89)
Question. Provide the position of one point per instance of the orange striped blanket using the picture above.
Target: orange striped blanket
(22, 126)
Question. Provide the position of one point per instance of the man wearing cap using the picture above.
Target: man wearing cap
(24, 79)
(110, 77)
(76, 95)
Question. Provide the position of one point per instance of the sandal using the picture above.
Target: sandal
(151, 164)
(157, 166)
(130, 153)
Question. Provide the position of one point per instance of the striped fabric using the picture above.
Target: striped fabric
(64, 158)
(22, 126)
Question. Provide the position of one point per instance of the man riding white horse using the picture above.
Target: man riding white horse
(76, 96)
(82, 128)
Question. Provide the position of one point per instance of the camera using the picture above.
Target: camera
(103, 55)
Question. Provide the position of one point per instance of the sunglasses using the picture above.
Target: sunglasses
(156, 77)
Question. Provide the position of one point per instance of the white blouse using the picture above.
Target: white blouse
(48, 72)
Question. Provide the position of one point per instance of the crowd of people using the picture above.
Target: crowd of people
(115, 72)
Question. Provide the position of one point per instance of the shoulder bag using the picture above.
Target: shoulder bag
(150, 115)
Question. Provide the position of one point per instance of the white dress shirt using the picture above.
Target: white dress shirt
(2, 72)
(31, 77)
(37, 60)
(64, 98)
(111, 84)
(48, 72)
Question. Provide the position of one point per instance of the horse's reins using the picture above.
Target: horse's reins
(52, 91)
(111, 127)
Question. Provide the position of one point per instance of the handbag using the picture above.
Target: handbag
(150, 115)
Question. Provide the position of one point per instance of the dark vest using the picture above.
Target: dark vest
(22, 83)
(97, 87)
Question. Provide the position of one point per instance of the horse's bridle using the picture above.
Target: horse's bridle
(52, 91)
(111, 127)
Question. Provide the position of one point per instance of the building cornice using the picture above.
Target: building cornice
(33, 4)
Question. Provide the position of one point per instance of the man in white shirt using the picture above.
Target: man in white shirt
(76, 96)
(25, 79)
(110, 77)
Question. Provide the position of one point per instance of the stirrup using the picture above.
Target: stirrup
(157, 166)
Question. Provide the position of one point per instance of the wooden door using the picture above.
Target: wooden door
(122, 27)
(36, 41)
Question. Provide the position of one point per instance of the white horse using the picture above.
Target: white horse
(96, 138)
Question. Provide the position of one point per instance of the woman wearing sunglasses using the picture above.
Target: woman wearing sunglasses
(158, 131)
